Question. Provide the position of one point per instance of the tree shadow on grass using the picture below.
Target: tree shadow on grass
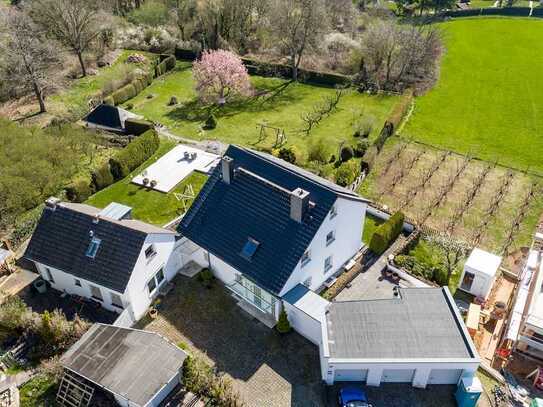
(267, 98)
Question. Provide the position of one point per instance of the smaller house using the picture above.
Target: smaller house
(109, 118)
(480, 273)
(135, 368)
(102, 255)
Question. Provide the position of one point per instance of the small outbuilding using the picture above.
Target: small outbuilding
(480, 273)
(109, 118)
(136, 368)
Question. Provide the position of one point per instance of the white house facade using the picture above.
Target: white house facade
(266, 226)
(102, 255)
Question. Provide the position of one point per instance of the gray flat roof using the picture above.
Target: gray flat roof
(420, 324)
(132, 363)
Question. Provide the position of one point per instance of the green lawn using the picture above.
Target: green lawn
(40, 391)
(75, 97)
(237, 123)
(148, 205)
(488, 98)
(370, 225)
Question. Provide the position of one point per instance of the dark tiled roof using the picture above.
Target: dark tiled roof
(423, 323)
(257, 205)
(105, 115)
(63, 235)
(135, 364)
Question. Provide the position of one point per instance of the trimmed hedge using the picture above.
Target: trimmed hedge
(133, 155)
(137, 126)
(109, 101)
(387, 233)
(101, 177)
(394, 119)
(123, 94)
(491, 11)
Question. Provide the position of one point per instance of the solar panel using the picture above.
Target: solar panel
(249, 248)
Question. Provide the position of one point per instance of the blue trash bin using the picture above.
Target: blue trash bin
(468, 391)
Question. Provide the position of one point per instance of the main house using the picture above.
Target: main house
(102, 255)
(266, 226)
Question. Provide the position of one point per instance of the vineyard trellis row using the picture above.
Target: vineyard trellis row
(493, 207)
(393, 158)
(405, 169)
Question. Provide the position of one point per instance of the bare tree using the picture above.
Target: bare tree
(297, 25)
(29, 58)
(398, 56)
(74, 23)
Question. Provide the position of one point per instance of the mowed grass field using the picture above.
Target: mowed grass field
(239, 122)
(488, 101)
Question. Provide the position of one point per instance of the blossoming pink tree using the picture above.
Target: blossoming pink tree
(220, 75)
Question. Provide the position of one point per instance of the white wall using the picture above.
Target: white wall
(482, 283)
(164, 391)
(137, 291)
(422, 370)
(66, 282)
(304, 324)
(348, 225)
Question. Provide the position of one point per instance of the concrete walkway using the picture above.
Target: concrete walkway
(213, 146)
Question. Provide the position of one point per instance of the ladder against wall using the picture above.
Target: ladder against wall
(74, 391)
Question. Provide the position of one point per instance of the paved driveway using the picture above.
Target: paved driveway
(267, 369)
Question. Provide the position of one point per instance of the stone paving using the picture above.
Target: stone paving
(267, 369)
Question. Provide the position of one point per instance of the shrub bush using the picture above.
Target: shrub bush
(134, 154)
(360, 148)
(287, 154)
(206, 277)
(211, 122)
(168, 61)
(346, 153)
(108, 100)
(80, 189)
(283, 325)
(137, 126)
(318, 151)
(386, 233)
(363, 127)
(125, 93)
(346, 173)
(101, 177)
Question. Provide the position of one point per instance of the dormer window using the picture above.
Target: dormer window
(150, 252)
(306, 258)
(93, 247)
(250, 248)
(333, 211)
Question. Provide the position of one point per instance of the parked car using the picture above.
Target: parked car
(353, 397)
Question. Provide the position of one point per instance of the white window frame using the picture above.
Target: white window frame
(307, 282)
(155, 279)
(333, 211)
(152, 254)
(112, 295)
(306, 258)
(330, 266)
(101, 298)
(330, 241)
(49, 275)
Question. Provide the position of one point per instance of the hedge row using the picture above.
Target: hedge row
(134, 154)
(394, 119)
(131, 90)
(387, 233)
(119, 166)
(506, 11)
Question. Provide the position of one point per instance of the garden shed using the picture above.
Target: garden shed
(480, 273)
(137, 368)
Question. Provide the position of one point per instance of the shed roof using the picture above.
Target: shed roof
(131, 363)
(256, 205)
(423, 323)
(307, 301)
(63, 235)
(483, 262)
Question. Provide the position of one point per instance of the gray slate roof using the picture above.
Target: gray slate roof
(257, 205)
(63, 235)
(132, 363)
(422, 323)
